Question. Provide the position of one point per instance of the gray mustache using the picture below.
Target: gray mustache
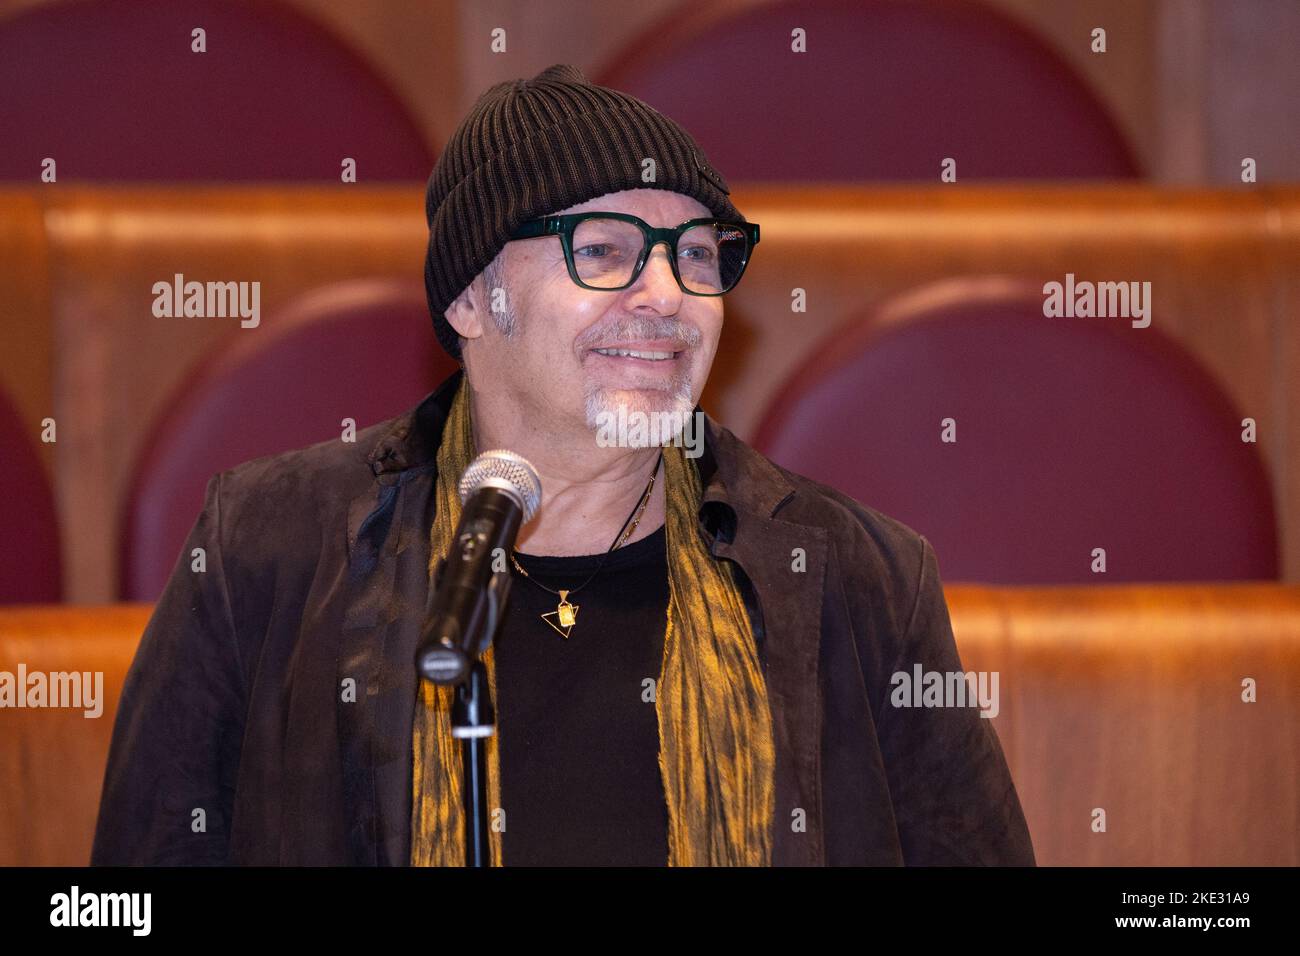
(634, 330)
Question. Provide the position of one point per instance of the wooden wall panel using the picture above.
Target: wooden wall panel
(1128, 698)
(1122, 697)
(116, 364)
(1194, 84)
(1211, 256)
(414, 45)
(1223, 266)
(25, 360)
(1284, 374)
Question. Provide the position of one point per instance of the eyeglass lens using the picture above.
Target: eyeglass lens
(710, 256)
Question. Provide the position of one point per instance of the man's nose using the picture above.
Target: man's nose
(657, 273)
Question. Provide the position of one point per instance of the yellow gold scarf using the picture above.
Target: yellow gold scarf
(716, 754)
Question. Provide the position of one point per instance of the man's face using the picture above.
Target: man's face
(558, 358)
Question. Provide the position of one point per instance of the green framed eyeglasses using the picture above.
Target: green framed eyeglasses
(606, 251)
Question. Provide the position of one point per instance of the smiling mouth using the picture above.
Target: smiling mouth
(651, 355)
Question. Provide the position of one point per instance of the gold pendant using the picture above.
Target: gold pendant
(566, 613)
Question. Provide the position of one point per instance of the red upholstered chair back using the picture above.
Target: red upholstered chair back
(113, 91)
(1071, 434)
(363, 350)
(886, 90)
(30, 568)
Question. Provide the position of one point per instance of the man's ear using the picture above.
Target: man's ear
(462, 314)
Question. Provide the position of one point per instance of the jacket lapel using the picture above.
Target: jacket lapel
(788, 610)
(388, 584)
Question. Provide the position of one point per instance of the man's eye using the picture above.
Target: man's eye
(699, 253)
(601, 249)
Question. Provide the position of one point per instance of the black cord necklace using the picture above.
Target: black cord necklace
(565, 615)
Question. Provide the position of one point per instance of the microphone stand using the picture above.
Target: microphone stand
(473, 720)
(464, 613)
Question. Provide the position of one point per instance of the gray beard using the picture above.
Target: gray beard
(671, 407)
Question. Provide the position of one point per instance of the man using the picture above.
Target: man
(696, 663)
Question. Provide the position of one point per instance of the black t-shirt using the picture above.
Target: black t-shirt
(578, 737)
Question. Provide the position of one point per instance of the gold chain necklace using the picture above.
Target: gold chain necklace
(566, 613)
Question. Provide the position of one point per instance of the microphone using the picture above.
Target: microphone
(499, 491)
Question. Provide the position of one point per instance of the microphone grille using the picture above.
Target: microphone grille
(505, 470)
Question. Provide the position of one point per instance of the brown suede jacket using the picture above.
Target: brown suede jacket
(234, 743)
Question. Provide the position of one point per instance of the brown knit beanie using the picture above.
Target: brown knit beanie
(532, 147)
